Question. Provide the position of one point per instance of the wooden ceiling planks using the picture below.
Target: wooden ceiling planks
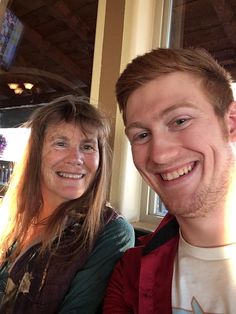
(212, 24)
(58, 38)
(59, 41)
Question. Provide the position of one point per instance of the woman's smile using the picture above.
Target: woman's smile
(70, 160)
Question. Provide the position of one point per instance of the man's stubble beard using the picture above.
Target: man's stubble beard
(206, 200)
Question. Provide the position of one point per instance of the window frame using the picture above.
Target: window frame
(163, 19)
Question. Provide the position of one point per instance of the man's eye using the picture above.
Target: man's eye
(180, 121)
(140, 137)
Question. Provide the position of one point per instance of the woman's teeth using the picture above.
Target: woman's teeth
(70, 175)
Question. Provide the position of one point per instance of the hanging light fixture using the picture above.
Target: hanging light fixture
(13, 85)
(28, 85)
(19, 88)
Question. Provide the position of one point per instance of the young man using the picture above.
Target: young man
(180, 119)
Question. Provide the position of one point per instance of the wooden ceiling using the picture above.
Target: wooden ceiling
(211, 24)
(55, 51)
(57, 46)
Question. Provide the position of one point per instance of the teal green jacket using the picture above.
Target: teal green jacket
(49, 283)
(88, 287)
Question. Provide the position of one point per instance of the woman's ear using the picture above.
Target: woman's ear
(231, 121)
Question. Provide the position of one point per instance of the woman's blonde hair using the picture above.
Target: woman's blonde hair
(23, 198)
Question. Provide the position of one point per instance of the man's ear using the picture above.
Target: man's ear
(231, 121)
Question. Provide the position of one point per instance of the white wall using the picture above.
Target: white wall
(140, 30)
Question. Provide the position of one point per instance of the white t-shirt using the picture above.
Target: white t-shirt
(204, 280)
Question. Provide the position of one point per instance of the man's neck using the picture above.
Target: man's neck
(216, 224)
(212, 230)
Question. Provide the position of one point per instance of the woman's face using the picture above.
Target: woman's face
(70, 159)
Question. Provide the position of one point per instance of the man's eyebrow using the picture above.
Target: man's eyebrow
(139, 125)
(134, 125)
(177, 106)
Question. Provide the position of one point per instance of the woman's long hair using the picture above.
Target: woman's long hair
(23, 199)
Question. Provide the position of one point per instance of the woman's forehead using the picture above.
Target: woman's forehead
(70, 128)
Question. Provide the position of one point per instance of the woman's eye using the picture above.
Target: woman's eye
(60, 143)
(88, 147)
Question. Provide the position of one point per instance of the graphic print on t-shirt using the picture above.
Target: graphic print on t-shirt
(196, 309)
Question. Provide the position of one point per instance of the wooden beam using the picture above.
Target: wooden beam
(227, 17)
(3, 6)
(30, 100)
(65, 84)
(54, 53)
(63, 13)
(226, 58)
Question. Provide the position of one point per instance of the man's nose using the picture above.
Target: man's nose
(163, 150)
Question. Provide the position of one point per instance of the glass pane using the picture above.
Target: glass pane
(207, 24)
(156, 206)
(159, 207)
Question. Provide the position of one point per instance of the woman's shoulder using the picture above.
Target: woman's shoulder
(118, 232)
(119, 224)
(116, 220)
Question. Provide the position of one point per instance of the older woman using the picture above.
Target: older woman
(61, 240)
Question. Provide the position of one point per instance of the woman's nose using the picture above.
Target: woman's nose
(75, 156)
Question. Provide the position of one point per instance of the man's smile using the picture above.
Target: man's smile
(169, 176)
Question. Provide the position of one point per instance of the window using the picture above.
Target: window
(158, 206)
(153, 207)
(198, 23)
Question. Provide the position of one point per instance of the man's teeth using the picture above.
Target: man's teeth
(70, 175)
(177, 173)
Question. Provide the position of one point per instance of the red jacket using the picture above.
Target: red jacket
(142, 279)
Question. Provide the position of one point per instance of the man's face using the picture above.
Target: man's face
(178, 143)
